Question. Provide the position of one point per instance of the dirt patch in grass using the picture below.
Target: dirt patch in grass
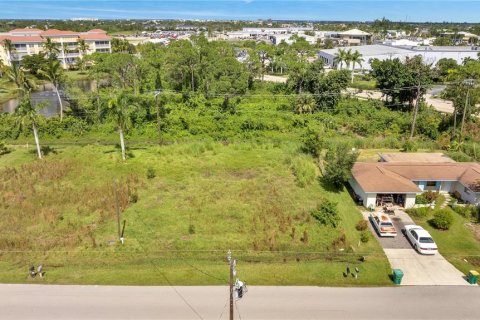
(475, 227)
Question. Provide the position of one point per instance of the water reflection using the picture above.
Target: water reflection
(45, 93)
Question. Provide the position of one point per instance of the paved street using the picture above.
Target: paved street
(438, 104)
(107, 302)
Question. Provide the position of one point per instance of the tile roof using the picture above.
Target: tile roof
(385, 177)
(94, 36)
(97, 31)
(57, 33)
(22, 39)
(372, 177)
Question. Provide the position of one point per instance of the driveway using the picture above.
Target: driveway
(417, 269)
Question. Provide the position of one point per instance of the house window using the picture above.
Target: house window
(466, 190)
(431, 183)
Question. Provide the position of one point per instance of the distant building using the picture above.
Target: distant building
(430, 55)
(31, 41)
(461, 37)
(277, 39)
(354, 37)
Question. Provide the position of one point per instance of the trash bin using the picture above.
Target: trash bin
(397, 276)
(472, 277)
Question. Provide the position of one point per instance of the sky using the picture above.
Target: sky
(339, 10)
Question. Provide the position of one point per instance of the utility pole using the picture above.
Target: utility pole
(117, 208)
(231, 263)
(237, 289)
(415, 112)
(469, 83)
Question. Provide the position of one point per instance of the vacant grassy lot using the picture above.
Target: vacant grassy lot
(204, 198)
(460, 244)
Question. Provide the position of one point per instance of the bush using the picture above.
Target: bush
(409, 146)
(420, 199)
(340, 161)
(442, 219)
(191, 229)
(365, 236)
(468, 212)
(151, 173)
(327, 213)
(430, 196)
(4, 149)
(362, 225)
(419, 212)
(304, 171)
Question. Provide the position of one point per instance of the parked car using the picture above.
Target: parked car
(420, 239)
(383, 224)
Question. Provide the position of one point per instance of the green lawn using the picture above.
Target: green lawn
(206, 198)
(458, 244)
(77, 75)
(363, 84)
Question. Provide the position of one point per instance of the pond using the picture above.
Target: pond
(45, 93)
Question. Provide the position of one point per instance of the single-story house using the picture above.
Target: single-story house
(401, 182)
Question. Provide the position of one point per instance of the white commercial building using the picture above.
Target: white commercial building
(430, 55)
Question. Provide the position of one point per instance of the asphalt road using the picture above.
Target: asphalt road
(107, 302)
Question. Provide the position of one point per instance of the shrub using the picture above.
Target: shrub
(304, 171)
(151, 173)
(409, 146)
(364, 236)
(4, 149)
(327, 213)
(191, 229)
(442, 219)
(430, 196)
(457, 195)
(467, 212)
(362, 225)
(419, 212)
(420, 199)
(340, 161)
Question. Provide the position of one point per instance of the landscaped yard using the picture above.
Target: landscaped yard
(460, 244)
(204, 198)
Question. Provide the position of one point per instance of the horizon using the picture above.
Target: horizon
(403, 11)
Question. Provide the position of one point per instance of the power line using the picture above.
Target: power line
(238, 311)
(169, 283)
(223, 310)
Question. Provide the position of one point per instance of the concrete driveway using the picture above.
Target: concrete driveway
(424, 270)
(418, 269)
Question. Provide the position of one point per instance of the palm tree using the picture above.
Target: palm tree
(119, 107)
(356, 58)
(51, 48)
(340, 58)
(348, 58)
(26, 115)
(16, 75)
(2, 68)
(9, 49)
(53, 71)
(304, 103)
(82, 47)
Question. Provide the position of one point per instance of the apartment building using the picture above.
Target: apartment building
(31, 41)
